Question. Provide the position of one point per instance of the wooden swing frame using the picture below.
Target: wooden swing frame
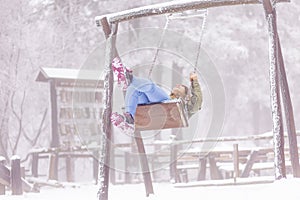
(277, 72)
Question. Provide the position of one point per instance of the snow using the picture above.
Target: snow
(278, 190)
(15, 157)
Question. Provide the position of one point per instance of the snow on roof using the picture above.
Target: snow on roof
(47, 74)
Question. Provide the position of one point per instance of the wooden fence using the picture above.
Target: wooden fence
(13, 177)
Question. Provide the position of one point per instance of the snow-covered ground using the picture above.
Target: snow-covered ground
(287, 188)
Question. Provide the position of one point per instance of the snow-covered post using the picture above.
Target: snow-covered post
(104, 163)
(236, 162)
(287, 103)
(278, 137)
(16, 182)
(289, 116)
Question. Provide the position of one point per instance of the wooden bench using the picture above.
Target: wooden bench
(53, 155)
(225, 162)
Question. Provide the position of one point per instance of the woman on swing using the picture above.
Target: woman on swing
(144, 91)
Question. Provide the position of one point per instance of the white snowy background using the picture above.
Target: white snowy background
(62, 34)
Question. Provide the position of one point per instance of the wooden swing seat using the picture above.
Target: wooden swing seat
(157, 116)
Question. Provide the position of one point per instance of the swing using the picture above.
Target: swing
(169, 114)
(156, 116)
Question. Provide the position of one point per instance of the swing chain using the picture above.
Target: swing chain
(200, 38)
(168, 18)
(159, 45)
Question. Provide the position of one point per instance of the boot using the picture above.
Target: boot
(120, 122)
(124, 78)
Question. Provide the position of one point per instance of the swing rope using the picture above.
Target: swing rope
(168, 18)
(200, 38)
(159, 45)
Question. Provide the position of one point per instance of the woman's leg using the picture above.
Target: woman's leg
(134, 97)
(142, 91)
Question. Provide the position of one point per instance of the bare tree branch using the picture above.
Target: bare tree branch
(35, 139)
(19, 118)
(2, 146)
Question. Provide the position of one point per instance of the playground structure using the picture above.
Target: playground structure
(278, 82)
(230, 163)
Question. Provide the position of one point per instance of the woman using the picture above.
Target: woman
(144, 91)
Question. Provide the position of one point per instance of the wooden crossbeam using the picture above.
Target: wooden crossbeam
(172, 7)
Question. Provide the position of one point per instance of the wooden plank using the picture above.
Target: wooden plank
(227, 182)
(41, 182)
(95, 166)
(27, 187)
(174, 176)
(4, 175)
(127, 166)
(53, 167)
(184, 175)
(249, 164)
(202, 169)
(214, 171)
(171, 7)
(35, 164)
(236, 161)
(160, 116)
(69, 168)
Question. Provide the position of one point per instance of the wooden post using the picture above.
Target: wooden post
(95, 166)
(53, 166)
(144, 163)
(279, 159)
(35, 164)
(69, 168)
(104, 163)
(16, 182)
(54, 119)
(289, 114)
(236, 163)
(127, 163)
(173, 162)
(202, 170)
(214, 171)
(112, 162)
